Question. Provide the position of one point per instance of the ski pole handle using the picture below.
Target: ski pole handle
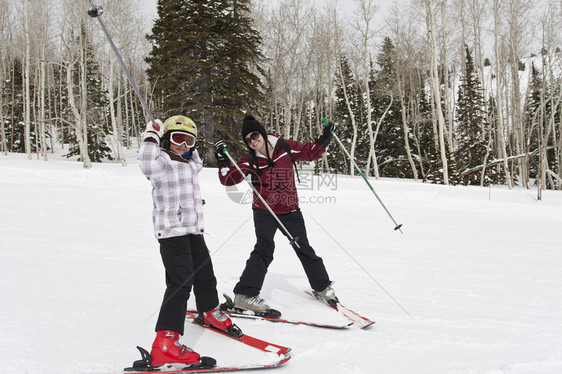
(327, 123)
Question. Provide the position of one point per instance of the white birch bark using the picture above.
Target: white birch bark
(364, 28)
(118, 143)
(351, 117)
(405, 129)
(499, 97)
(436, 89)
(78, 109)
(27, 79)
(5, 11)
(516, 15)
(449, 97)
(42, 105)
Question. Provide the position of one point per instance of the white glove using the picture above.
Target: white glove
(153, 130)
(195, 156)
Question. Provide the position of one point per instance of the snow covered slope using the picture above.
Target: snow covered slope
(473, 286)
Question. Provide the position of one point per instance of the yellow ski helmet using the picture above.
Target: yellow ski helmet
(180, 123)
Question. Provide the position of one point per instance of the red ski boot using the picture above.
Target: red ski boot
(217, 319)
(220, 321)
(167, 349)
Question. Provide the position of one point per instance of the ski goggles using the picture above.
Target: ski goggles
(179, 138)
(252, 137)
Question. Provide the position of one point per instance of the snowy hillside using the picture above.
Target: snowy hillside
(472, 286)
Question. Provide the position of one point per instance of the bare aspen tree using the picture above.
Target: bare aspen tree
(122, 22)
(324, 50)
(41, 16)
(5, 11)
(499, 96)
(403, 30)
(329, 48)
(294, 16)
(76, 61)
(78, 111)
(435, 84)
(340, 53)
(364, 26)
(27, 78)
(517, 13)
(448, 86)
(3, 140)
(477, 14)
(551, 23)
(42, 103)
(337, 38)
(460, 19)
(114, 121)
(352, 118)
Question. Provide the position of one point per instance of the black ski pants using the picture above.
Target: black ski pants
(266, 226)
(188, 264)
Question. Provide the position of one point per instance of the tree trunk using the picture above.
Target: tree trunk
(351, 116)
(114, 125)
(436, 91)
(42, 104)
(79, 116)
(449, 101)
(499, 99)
(3, 139)
(27, 78)
(405, 125)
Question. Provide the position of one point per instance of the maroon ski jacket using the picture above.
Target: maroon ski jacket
(275, 184)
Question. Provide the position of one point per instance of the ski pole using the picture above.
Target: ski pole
(292, 240)
(96, 12)
(397, 226)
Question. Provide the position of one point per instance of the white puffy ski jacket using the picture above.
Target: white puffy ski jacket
(178, 206)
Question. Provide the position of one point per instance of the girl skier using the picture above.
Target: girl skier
(169, 159)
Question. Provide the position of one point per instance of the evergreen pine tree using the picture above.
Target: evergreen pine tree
(471, 124)
(554, 153)
(435, 162)
(494, 174)
(204, 64)
(533, 119)
(423, 134)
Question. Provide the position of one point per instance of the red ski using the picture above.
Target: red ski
(246, 339)
(207, 365)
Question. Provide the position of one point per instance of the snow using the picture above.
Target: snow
(472, 286)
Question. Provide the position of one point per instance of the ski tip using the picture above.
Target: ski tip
(284, 360)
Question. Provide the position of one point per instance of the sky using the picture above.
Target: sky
(149, 6)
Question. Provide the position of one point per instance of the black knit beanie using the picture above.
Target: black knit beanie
(249, 125)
